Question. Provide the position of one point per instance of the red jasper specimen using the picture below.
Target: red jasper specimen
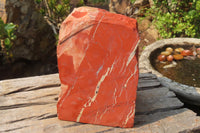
(90, 64)
(186, 53)
(161, 57)
(170, 58)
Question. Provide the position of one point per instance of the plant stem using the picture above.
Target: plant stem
(48, 9)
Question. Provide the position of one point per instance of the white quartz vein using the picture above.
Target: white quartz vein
(98, 25)
(99, 84)
(100, 68)
(125, 85)
(103, 113)
(96, 117)
(132, 53)
(68, 92)
(91, 100)
(80, 114)
(122, 67)
(115, 97)
(112, 66)
(135, 70)
(130, 115)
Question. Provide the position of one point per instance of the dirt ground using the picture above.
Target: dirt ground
(148, 33)
(145, 42)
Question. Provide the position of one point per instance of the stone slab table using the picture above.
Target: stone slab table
(29, 105)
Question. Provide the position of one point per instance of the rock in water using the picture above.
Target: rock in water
(98, 68)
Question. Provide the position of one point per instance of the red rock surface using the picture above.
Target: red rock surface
(98, 68)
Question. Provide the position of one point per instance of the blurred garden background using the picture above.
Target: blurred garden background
(29, 28)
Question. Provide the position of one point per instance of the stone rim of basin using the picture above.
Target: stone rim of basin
(187, 94)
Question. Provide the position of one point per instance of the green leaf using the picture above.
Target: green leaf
(198, 5)
(132, 1)
(52, 4)
(66, 1)
(192, 12)
(7, 41)
(59, 8)
(13, 37)
(10, 26)
(38, 1)
(42, 11)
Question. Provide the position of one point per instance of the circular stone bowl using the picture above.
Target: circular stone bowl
(187, 94)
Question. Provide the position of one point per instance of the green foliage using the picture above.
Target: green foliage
(81, 3)
(54, 10)
(97, 1)
(7, 36)
(176, 19)
(132, 1)
(59, 9)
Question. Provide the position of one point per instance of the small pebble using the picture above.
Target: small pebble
(161, 57)
(186, 53)
(170, 58)
(166, 53)
(169, 49)
(179, 50)
(178, 57)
